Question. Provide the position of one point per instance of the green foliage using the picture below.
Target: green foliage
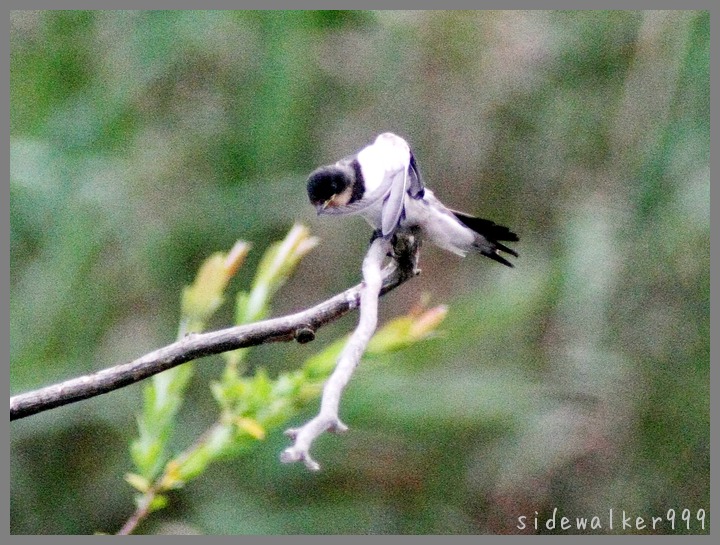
(250, 405)
(164, 392)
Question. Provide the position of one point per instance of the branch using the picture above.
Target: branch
(328, 418)
(300, 326)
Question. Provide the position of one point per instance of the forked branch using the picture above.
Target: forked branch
(300, 326)
(328, 418)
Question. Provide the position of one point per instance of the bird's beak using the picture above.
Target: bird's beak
(321, 207)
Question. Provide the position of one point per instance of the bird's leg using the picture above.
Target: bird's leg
(406, 252)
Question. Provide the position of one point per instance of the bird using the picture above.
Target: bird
(382, 183)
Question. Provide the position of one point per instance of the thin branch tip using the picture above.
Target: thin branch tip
(293, 454)
(337, 427)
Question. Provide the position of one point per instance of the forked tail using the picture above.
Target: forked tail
(490, 236)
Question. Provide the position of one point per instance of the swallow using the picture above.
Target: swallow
(382, 183)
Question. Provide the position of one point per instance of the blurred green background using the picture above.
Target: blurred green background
(141, 142)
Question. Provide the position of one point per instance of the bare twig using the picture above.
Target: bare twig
(300, 326)
(141, 512)
(328, 418)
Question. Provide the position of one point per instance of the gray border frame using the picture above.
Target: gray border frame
(5, 255)
(228, 4)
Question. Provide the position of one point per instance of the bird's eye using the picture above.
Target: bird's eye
(336, 184)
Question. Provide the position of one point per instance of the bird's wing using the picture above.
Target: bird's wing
(417, 188)
(394, 204)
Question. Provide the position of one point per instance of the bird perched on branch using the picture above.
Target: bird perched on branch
(382, 183)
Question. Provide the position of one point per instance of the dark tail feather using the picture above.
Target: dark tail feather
(492, 233)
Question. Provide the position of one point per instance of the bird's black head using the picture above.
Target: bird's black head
(328, 185)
